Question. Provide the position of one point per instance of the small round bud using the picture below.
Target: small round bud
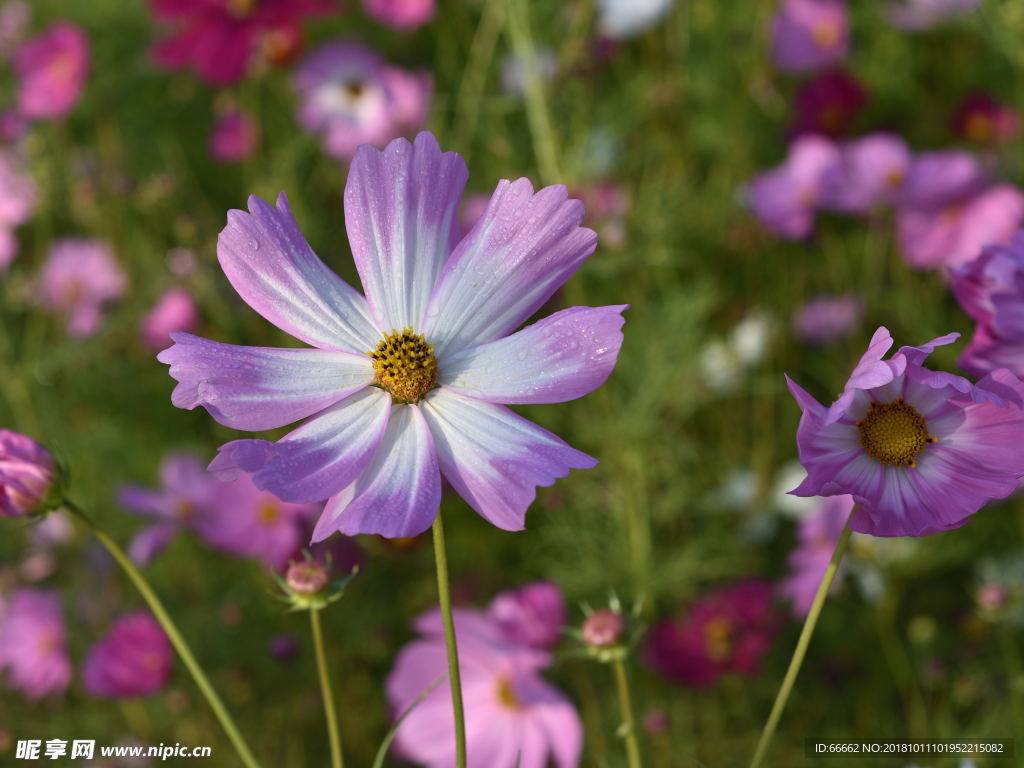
(306, 577)
(603, 629)
(28, 476)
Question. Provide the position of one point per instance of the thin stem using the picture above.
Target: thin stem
(337, 761)
(801, 645)
(157, 607)
(454, 677)
(626, 710)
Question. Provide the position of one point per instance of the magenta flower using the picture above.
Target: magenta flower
(983, 120)
(188, 492)
(79, 277)
(532, 615)
(784, 199)
(33, 642)
(133, 660)
(350, 96)
(234, 137)
(991, 290)
(27, 474)
(827, 318)
(916, 15)
(870, 174)
(410, 382)
(247, 522)
(18, 194)
(827, 105)
(513, 716)
(174, 311)
(223, 39)
(401, 14)
(920, 451)
(810, 35)
(52, 69)
(726, 631)
(817, 536)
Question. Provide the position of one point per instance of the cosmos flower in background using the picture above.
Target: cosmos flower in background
(133, 660)
(247, 522)
(608, 206)
(991, 290)
(401, 14)
(619, 19)
(222, 40)
(513, 716)
(827, 318)
(983, 120)
(915, 15)
(27, 474)
(868, 176)
(817, 536)
(411, 381)
(187, 492)
(810, 35)
(785, 198)
(18, 196)
(728, 630)
(33, 642)
(52, 70)
(470, 211)
(532, 615)
(175, 310)
(828, 104)
(234, 136)
(919, 450)
(348, 96)
(79, 277)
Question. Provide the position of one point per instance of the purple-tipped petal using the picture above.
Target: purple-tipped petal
(562, 357)
(399, 492)
(272, 267)
(150, 542)
(319, 459)
(400, 207)
(494, 458)
(255, 388)
(522, 249)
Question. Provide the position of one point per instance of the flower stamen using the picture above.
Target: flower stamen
(894, 433)
(404, 365)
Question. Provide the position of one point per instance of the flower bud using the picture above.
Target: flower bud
(28, 476)
(306, 577)
(603, 629)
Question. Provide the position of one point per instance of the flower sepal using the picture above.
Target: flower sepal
(306, 585)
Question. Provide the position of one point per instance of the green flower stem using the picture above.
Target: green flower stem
(801, 645)
(157, 607)
(626, 710)
(337, 761)
(454, 677)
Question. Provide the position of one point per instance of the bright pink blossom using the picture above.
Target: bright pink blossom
(401, 14)
(174, 311)
(135, 659)
(33, 642)
(52, 69)
(80, 276)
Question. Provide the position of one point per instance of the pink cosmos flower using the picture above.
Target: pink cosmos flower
(247, 522)
(401, 14)
(18, 194)
(991, 290)
(726, 631)
(870, 174)
(827, 318)
(52, 69)
(188, 492)
(411, 381)
(827, 105)
(79, 277)
(350, 96)
(817, 536)
(223, 39)
(809, 35)
(27, 474)
(133, 660)
(784, 199)
(234, 137)
(174, 311)
(920, 451)
(532, 615)
(916, 15)
(514, 718)
(33, 643)
(983, 120)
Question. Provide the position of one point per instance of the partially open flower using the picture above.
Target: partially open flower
(28, 476)
(603, 628)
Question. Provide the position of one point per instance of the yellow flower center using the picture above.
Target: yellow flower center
(404, 365)
(718, 636)
(894, 433)
(978, 127)
(826, 34)
(240, 9)
(507, 695)
(268, 513)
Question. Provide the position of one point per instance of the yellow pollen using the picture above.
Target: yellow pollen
(404, 365)
(894, 433)
(268, 514)
(354, 88)
(826, 34)
(718, 636)
(978, 127)
(241, 8)
(507, 695)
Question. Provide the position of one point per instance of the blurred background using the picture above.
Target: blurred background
(690, 130)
